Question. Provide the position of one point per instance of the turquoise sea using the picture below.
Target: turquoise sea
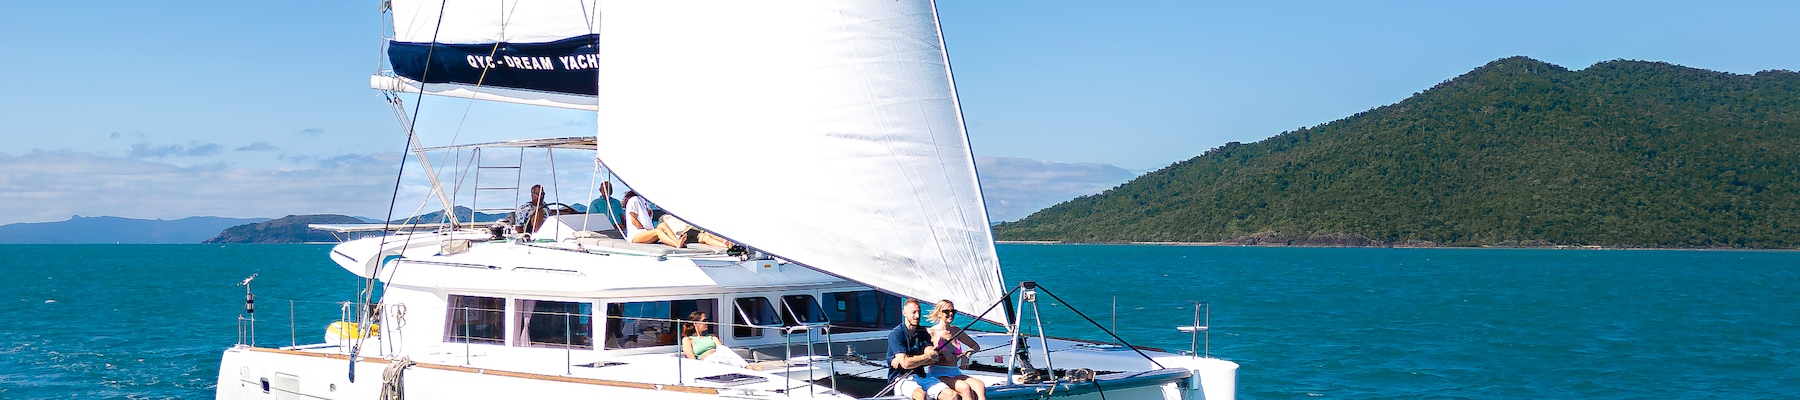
(149, 321)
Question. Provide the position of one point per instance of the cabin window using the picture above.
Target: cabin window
(475, 319)
(801, 309)
(651, 323)
(753, 311)
(862, 311)
(541, 323)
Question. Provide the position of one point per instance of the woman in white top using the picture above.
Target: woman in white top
(640, 228)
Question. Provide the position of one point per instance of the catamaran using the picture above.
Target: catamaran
(845, 113)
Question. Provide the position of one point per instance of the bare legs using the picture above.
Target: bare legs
(950, 391)
(713, 240)
(970, 388)
(963, 387)
(663, 234)
(660, 234)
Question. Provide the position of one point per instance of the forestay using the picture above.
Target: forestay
(841, 115)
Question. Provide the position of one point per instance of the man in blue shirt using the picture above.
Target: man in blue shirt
(610, 207)
(909, 352)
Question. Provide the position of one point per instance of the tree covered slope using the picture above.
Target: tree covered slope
(1623, 153)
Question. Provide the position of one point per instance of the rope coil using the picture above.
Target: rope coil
(392, 379)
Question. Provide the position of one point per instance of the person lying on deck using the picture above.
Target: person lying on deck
(672, 231)
(687, 233)
(639, 228)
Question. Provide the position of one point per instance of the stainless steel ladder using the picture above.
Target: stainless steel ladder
(481, 165)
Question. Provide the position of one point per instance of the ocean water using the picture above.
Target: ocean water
(149, 321)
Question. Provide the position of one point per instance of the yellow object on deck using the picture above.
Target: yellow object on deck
(352, 330)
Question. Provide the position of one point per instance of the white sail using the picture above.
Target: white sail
(492, 21)
(838, 118)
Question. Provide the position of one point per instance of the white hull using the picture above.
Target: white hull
(302, 375)
(323, 372)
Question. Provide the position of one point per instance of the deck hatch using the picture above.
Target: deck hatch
(733, 379)
(600, 364)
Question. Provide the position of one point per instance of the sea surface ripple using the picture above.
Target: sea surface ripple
(150, 321)
(1452, 323)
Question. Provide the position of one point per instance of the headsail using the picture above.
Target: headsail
(501, 50)
(842, 114)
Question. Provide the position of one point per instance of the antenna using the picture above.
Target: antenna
(249, 315)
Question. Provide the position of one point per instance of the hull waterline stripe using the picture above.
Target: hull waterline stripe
(511, 374)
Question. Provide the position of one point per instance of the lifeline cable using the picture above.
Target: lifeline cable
(1102, 328)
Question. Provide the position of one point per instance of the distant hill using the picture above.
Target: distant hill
(294, 228)
(464, 214)
(289, 229)
(1516, 152)
(79, 229)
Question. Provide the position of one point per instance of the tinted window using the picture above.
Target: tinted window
(801, 309)
(476, 319)
(753, 311)
(861, 311)
(554, 324)
(651, 323)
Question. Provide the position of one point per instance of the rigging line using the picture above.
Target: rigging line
(1097, 324)
(964, 331)
(387, 6)
(395, 198)
(984, 313)
(550, 154)
(591, 179)
(463, 177)
(610, 217)
(413, 125)
(590, 19)
(481, 79)
(437, 187)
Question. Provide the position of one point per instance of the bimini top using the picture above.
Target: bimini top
(572, 143)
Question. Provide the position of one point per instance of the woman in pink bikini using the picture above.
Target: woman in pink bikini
(952, 357)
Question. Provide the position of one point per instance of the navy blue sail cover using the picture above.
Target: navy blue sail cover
(563, 66)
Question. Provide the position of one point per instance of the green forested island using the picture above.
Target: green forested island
(1515, 153)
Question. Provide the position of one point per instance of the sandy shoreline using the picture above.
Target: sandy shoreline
(1232, 244)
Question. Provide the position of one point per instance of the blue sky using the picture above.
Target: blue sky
(262, 109)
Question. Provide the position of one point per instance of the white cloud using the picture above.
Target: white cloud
(1017, 187)
(193, 149)
(258, 146)
(310, 132)
(50, 186)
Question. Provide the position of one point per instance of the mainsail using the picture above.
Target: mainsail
(824, 132)
(841, 113)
